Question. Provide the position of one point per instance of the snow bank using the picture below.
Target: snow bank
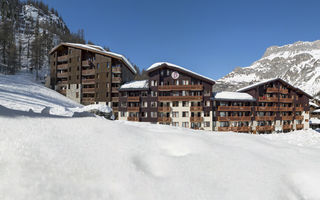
(143, 84)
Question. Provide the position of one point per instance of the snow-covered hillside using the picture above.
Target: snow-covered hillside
(297, 63)
(57, 157)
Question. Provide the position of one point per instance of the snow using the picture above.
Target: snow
(92, 107)
(314, 121)
(57, 157)
(233, 96)
(100, 49)
(143, 84)
(155, 65)
(316, 111)
(256, 84)
(313, 104)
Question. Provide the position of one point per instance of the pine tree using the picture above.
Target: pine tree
(37, 53)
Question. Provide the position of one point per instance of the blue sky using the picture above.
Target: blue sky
(208, 37)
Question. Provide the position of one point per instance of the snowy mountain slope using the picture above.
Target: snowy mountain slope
(297, 63)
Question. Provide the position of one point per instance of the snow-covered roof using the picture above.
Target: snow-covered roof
(100, 50)
(233, 96)
(314, 121)
(313, 104)
(316, 111)
(271, 80)
(143, 84)
(158, 64)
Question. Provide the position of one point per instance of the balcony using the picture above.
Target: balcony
(116, 79)
(283, 91)
(235, 129)
(272, 90)
(62, 67)
(285, 109)
(62, 75)
(268, 99)
(164, 109)
(116, 69)
(87, 99)
(88, 81)
(164, 119)
(133, 99)
(115, 109)
(265, 128)
(87, 72)
(86, 63)
(62, 83)
(88, 90)
(287, 118)
(287, 127)
(115, 99)
(196, 119)
(299, 126)
(235, 118)
(265, 118)
(180, 87)
(133, 109)
(62, 58)
(299, 117)
(115, 89)
(134, 119)
(196, 108)
(299, 109)
(267, 108)
(234, 108)
(286, 100)
(180, 98)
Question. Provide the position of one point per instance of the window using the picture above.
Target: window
(207, 93)
(175, 123)
(144, 114)
(153, 104)
(185, 82)
(185, 93)
(78, 79)
(207, 114)
(98, 66)
(175, 104)
(175, 114)
(154, 94)
(69, 69)
(208, 103)
(224, 124)
(185, 114)
(77, 94)
(144, 93)
(107, 94)
(123, 104)
(176, 82)
(123, 114)
(69, 60)
(206, 124)
(144, 104)
(153, 114)
(77, 86)
(107, 65)
(154, 83)
(161, 73)
(185, 103)
(97, 85)
(78, 68)
(78, 58)
(185, 124)
(168, 72)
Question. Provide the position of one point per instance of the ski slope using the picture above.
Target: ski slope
(59, 157)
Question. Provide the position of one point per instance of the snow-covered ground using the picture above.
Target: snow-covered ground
(43, 157)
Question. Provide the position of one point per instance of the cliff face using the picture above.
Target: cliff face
(297, 63)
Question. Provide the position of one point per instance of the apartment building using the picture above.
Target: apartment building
(89, 74)
(172, 95)
(272, 106)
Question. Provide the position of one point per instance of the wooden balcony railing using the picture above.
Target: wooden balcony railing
(180, 98)
(88, 90)
(116, 69)
(86, 63)
(61, 83)
(62, 75)
(133, 99)
(290, 118)
(267, 108)
(299, 117)
(62, 66)
(299, 108)
(286, 100)
(287, 127)
(235, 118)
(196, 119)
(133, 109)
(116, 79)
(265, 118)
(299, 126)
(115, 89)
(179, 87)
(164, 119)
(88, 81)
(288, 109)
(235, 129)
(115, 109)
(87, 99)
(196, 108)
(265, 128)
(283, 91)
(135, 119)
(62, 58)
(88, 72)
(272, 90)
(164, 109)
(115, 99)
(268, 99)
(234, 108)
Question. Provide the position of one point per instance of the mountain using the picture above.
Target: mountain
(298, 64)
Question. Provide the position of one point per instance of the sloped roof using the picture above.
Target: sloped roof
(313, 104)
(232, 96)
(177, 67)
(135, 85)
(99, 50)
(269, 81)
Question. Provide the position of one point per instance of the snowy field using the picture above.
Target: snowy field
(59, 157)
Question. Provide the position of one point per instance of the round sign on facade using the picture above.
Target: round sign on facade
(175, 75)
